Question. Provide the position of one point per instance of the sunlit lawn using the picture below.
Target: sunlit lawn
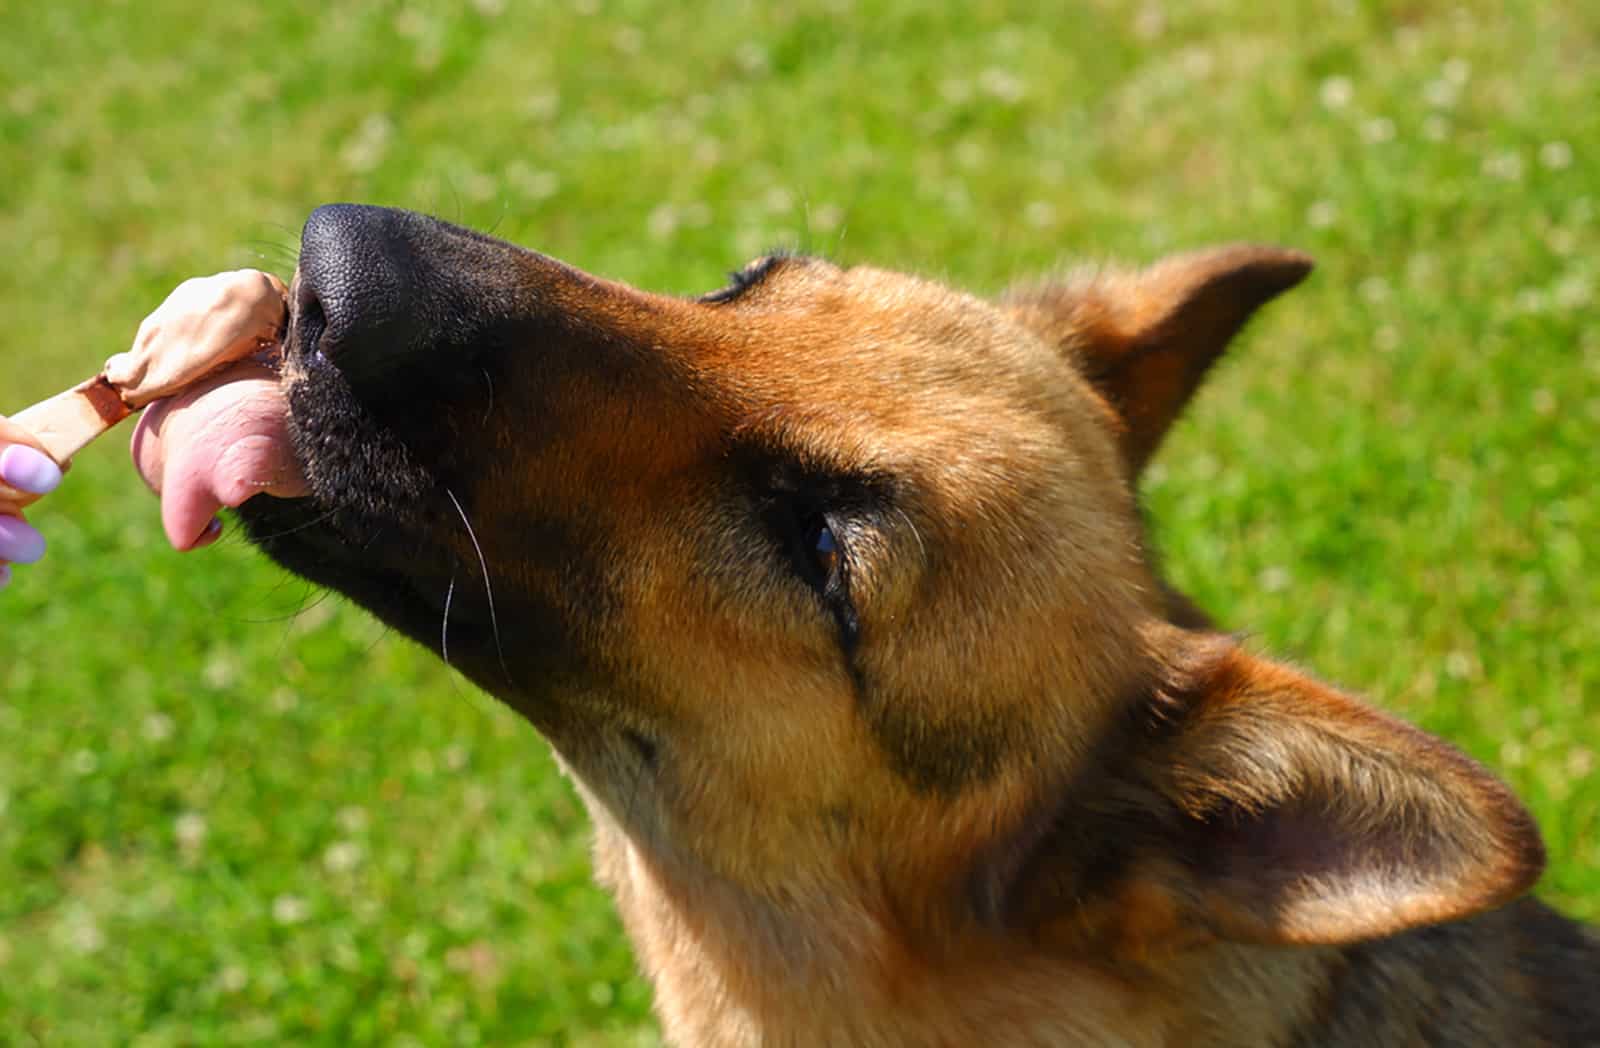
(232, 811)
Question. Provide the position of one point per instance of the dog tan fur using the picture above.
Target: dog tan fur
(831, 592)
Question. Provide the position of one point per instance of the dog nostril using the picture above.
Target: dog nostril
(310, 323)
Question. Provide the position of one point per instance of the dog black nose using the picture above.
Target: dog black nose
(383, 294)
(357, 270)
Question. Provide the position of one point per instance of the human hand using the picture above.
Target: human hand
(25, 474)
(213, 435)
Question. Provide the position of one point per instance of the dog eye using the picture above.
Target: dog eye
(822, 548)
(819, 553)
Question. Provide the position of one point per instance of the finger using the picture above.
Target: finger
(26, 445)
(205, 323)
(11, 433)
(28, 469)
(20, 542)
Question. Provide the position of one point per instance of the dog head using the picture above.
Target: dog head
(833, 581)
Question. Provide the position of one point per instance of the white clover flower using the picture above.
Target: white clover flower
(1377, 130)
(1531, 300)
(533, 184)
(1556, 156)
(1040, 214)
(1505, 165)
(342, 856)
(663, 221)
(1336, 92)
(778, 200)
(1002, 85)
(1197, 62)
(826, 218)
(1580, 762)
(1322, 214)
(190, 830)
(1274, 579)
(1440, 93)
(158, 727)
(410, 23)
(361, 153)
(542, 105)
(290, 909)
(628, 39)
(479, 186)
(1150, 22)
(1574, 291)
(86, 936)
(752, 58)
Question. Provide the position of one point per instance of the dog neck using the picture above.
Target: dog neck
(729, 968)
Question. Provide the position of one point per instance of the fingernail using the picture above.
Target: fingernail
(28, 470)
(5, 575)
(211, 534)
(19, 542)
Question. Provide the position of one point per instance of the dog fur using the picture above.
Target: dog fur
(831, 592)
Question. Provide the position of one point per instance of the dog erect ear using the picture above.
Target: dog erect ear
(1258, 805)
(1144, 340)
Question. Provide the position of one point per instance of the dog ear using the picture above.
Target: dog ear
(1262, 806)
(1144, 340)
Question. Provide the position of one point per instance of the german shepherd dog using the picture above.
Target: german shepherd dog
(830, 590)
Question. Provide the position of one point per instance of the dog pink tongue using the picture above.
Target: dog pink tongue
(216, 444)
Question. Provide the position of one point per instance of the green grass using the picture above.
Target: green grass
(232, 813)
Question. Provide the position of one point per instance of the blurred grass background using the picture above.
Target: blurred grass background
(234, 812)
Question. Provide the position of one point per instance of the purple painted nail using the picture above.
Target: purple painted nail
(19, 542)
(28, 470)
(5, 575)
(212, 533)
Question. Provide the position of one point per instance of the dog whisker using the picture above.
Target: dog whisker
(488, 588)
(444, 628)
(371, 539)
(284, 251)
(922, 548)
(298, 527)
(383, 635)
(306, 604)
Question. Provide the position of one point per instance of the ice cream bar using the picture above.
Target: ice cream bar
(205, 324)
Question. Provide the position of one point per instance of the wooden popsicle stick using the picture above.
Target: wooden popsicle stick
(204, 325)
(66, 423)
